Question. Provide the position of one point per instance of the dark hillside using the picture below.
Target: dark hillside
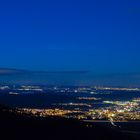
(22, 127)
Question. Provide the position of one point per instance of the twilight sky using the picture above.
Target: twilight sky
(102, 36)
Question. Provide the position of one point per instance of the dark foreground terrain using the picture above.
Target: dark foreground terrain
(14, 126)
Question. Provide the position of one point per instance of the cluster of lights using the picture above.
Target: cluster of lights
(46, 112)
(121, 111)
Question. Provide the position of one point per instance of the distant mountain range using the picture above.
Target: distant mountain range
(70, 77)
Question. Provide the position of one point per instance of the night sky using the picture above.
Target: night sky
(102, 36)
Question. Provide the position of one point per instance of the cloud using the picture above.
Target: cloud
(7, 71)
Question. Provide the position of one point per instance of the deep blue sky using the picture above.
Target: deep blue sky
(98, 35)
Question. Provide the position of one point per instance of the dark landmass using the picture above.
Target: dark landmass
(22, 127)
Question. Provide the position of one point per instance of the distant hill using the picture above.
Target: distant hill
(23, 127)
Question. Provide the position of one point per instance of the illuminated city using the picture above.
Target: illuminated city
(121, 112)
(87, 103)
